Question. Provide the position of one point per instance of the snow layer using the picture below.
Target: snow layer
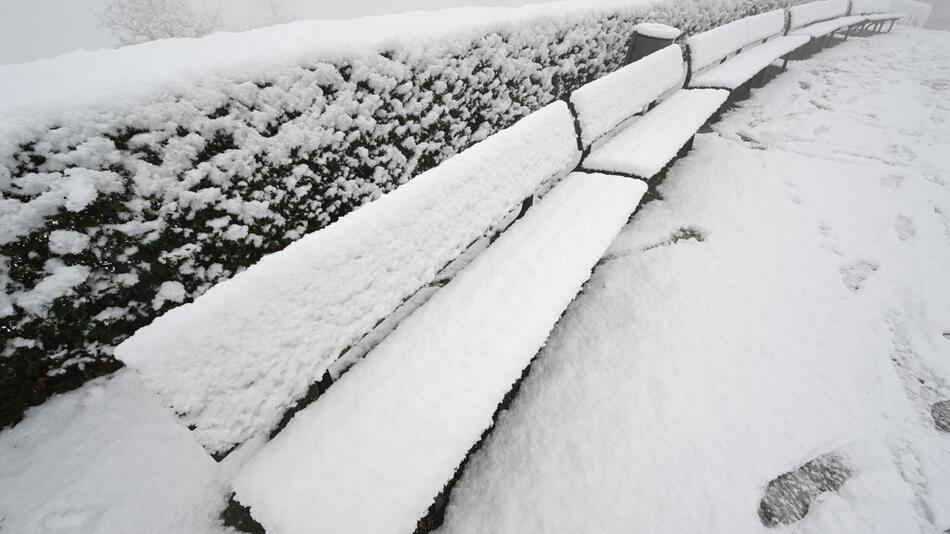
(648, 144)
(830, 26)
(372, 454)
(31, 92)
(209, 359)
(710, 46)
(694, 370)
(657, 30)
(812, 12)
(739, 69)
(107, 459)
(605, 103)
(193, 180)
(860, 7)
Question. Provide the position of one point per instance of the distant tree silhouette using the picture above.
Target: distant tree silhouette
(139, 21)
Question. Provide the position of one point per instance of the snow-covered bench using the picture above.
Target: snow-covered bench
(234, 363)
(628, 128)
(730, 55)
(876, 13)
(822, 19)
(374, 453)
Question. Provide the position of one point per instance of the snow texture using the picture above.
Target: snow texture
(189, 160)
(107, 459)
(805, 14)
(829, 26)
(861, 7)
(647, 145)
(605, 103)
(741, 68)
(711, 46)
(690, 373)
(657, 30)
(372, 454)
(685, 377)
(209, 359)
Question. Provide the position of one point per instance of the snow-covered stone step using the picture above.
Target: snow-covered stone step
(605, 103)
(827, 27)
(650, 143)
(372, 454)
(741, 68)
(233, 362)
(711, 46)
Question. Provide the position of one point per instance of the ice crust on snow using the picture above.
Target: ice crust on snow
(371, 455)
(710, 46)
(314, 299)
(739, 69)
(804, 14)
(607, 102)
(647, 145)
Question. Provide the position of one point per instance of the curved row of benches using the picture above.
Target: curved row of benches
(453, 281)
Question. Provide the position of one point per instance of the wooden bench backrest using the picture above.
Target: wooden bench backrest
(607, 102)
(234, 361)
(711, 46)
(864, 7)
(813, 12)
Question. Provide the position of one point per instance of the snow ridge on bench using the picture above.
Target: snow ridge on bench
(709, 47)
(236, 359)
(812, 12)
(863, 7)
(647, 145)
(377, 448)
(605, 103)
(737, 70)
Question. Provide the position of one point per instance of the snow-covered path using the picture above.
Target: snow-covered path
(789, 297)
(786, 299)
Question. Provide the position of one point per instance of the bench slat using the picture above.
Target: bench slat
(829, 26)
(812, 12)
(607, 102)
(743, 67)
(372, 454)
(711, 46)
(235, 360)
(646, 146)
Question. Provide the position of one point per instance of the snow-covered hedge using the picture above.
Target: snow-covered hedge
(108, 218)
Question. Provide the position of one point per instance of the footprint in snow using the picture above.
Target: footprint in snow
(789, 496)
(855, 274)
(892, 180)
(70, 521)
(941, 414)
(905, 228)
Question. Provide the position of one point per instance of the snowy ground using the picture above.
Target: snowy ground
(786, 299)
(806, 319)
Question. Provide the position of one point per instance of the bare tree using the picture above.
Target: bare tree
(138, 21)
